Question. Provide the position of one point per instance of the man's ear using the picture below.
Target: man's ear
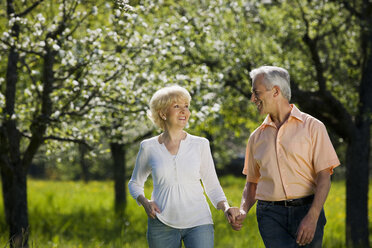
(276, 90)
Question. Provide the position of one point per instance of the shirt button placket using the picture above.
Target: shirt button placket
(279, 158)
(175, 168)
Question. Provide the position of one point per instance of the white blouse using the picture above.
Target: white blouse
(177, 189)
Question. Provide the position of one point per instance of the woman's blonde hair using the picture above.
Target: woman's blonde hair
(163, 99)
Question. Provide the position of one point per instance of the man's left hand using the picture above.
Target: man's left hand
(306, 230)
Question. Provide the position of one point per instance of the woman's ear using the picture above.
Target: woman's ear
(162, 115)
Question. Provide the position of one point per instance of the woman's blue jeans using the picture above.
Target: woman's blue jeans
(160, 235)
(278, 225)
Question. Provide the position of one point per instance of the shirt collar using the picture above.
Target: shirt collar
(295, 113)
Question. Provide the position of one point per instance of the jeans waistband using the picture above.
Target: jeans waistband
(292, 202)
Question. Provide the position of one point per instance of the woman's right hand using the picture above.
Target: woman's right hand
(150, 207)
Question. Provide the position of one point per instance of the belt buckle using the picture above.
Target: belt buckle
(286, 202)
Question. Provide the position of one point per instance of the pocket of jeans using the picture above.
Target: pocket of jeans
(261, 209)
(153, 221)
(262, 206)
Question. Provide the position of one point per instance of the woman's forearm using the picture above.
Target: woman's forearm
(223, 205)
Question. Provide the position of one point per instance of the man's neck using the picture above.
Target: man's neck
(281, 115)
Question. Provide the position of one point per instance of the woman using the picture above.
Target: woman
(178, 210)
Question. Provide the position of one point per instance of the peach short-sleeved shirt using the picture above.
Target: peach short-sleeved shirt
(284, 162)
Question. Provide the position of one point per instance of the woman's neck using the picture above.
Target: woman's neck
(172, 136)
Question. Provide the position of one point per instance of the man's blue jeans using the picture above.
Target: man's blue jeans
(278, 225)
(160, 235)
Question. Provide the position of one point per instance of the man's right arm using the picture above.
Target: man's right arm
(248, 200)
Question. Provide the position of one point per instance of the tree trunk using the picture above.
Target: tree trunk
(13, 170)
(83, 163)
(118, 156)
(357, 189)
(15, 205)
(357, 177)
(14, 164)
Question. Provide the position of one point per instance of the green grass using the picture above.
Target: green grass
(74, 214)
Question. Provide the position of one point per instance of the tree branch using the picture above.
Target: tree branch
(77, 141)
(350, 8)
(312, 45)
(29, 9)
(142, 137)
(326, 108)
(233, 84)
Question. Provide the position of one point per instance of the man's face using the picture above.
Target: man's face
(260, 95)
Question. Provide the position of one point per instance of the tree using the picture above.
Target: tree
(49, 79)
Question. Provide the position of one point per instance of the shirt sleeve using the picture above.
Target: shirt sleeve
(251, 169)
(209, 176)
(324, 155)
(140, 173)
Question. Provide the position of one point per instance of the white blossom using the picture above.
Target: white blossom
(27, 92)
(94, 10)
(157, 41)
(40, 87)
(40, 18)
(56, 47)
(216, 107)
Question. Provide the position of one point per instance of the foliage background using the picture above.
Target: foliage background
(112, 56)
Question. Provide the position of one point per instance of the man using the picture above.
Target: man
(288, 163)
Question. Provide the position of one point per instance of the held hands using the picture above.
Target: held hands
(231, 213)
(235, 217)
(238, 224)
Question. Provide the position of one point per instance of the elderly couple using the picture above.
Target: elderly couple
(288, 163)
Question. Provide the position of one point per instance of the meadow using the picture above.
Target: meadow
(75, 214)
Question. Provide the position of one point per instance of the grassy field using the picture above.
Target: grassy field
(74, 214)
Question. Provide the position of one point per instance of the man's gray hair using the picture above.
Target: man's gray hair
(274, 76)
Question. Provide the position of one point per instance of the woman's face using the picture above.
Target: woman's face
(178, 114)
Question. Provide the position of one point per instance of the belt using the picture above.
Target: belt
(292, 202)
